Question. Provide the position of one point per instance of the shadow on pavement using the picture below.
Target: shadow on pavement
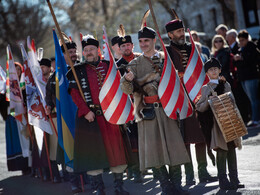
(252, 132)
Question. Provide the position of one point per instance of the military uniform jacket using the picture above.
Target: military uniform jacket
(160, 141)
(190, 127)
(98, 144)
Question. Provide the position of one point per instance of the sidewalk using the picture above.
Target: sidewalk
(13, 183)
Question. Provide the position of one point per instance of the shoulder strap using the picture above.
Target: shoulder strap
(157, 69)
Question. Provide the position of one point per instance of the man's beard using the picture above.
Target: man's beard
(179, 41)
(91, 58)
(127, 53)
(74, 59)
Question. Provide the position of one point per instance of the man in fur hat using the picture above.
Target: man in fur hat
(160, 141)
(98, 144)
(115, 48)
(126, 47)
(179, 51)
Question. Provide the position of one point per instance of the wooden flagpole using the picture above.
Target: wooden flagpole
(70, 62)
(154, 19)
(48, 156)
(53, 125)
(65, 48)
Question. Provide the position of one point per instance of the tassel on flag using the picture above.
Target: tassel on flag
(171, 91)
(116, 105)
(194, 77)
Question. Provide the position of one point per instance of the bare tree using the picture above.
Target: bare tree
(17, 21)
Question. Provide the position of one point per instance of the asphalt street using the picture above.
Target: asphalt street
(13, 183)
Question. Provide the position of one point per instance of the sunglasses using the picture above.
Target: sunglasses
(218, 41)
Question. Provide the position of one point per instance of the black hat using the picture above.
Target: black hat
(146, 32)
(89, 40)
(70, 45)
(114, 40)
(45, 62)
(212, 62)
(123, 40)
(174, 25)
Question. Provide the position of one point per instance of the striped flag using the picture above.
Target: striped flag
(116, 105)
(171, 91)
(14, 94)
(194, 77)
(66, 109)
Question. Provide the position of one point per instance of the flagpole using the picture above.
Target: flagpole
(154, 19)
(55, 130)
(65, 48)
(48, 157)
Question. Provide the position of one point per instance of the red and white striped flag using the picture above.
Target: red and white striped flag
(171, 91)
(116, 105)
(194, 77)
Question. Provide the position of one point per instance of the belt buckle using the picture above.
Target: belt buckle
(98, 112)
(156, 105)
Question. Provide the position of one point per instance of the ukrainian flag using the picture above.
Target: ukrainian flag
(66, 109)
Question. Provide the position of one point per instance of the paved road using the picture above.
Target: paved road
(13, 183)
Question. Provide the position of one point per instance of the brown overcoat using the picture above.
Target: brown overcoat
(160, 140)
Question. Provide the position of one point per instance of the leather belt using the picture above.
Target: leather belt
(96, 109)
(154, 105)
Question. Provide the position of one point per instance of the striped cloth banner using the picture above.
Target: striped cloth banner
(171, 91)
(116, 105)
(194, 77)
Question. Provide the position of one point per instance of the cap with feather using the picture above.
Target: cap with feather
(68, 41)
(122, 37)
(175, 23)
(89, 40)
(146, 32)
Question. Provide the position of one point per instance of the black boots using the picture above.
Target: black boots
(168, 187)
(98, 184)
(232, 167)
(224, 183)
(204, 176)
(55, 172)
(163, 176)
(118, 184)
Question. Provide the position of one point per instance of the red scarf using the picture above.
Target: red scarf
(129, 58)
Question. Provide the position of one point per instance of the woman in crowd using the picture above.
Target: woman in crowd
(221, 51)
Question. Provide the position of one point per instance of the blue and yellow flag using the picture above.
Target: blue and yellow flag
(66, 109)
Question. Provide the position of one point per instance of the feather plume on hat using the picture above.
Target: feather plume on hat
(65, 37)
(174, 14)
(88, 36)
(146, 14)
(121, 31)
